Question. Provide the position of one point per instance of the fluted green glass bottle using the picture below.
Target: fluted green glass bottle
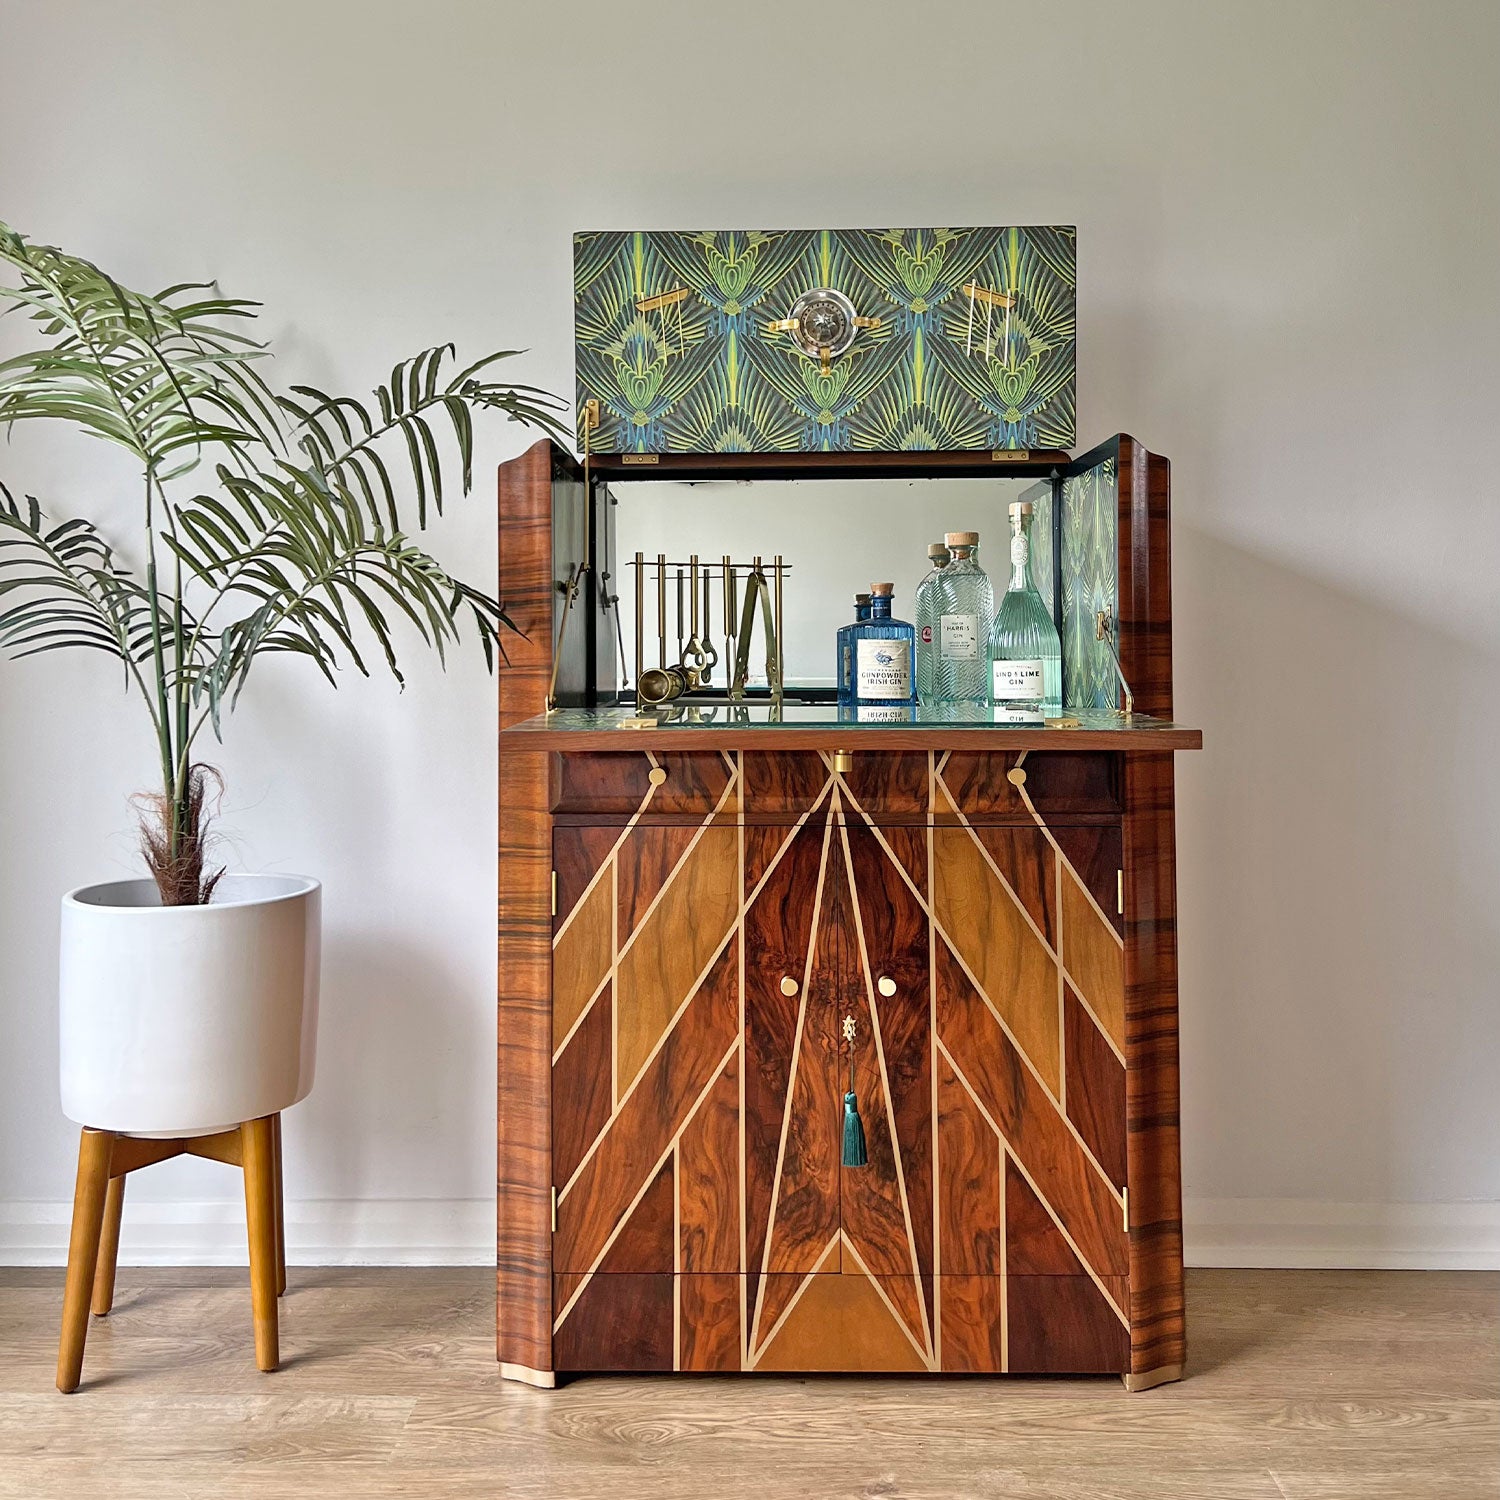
(1025, 651)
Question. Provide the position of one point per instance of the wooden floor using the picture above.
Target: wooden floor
(1302, 1386)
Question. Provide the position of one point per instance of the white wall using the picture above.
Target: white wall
(1287, 220)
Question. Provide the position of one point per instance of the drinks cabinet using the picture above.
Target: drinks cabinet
(729, 929)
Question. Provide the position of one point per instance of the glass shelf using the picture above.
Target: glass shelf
(826, 724)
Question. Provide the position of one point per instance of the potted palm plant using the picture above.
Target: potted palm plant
(269, 522)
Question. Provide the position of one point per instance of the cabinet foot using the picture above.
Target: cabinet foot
(1143, 1380)
(545, 1379)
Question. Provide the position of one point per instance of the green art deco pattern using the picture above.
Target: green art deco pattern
(1090, 582)
(1043, 561)
(673, 340)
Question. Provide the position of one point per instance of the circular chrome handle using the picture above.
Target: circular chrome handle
(789, 985)
(886, 985)
(656, 775)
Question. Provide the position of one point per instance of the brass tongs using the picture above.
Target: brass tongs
(756, 587)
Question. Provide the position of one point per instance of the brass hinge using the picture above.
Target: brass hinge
(1009, 455)
(554, 1210)
(1124, 1207)
(1120, 892)
(554, 893)
(640, 458)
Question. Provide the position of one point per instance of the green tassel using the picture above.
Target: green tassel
(855, 1154)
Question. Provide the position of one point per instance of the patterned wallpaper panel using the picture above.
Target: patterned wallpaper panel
(673, 340)
(1090, 582)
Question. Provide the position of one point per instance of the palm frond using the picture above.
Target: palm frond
(63, 586)
(161, 376)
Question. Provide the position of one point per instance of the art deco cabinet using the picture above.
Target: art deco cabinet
(710, 933)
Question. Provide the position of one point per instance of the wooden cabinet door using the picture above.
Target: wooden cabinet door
(695, 1083)
(987, 1230)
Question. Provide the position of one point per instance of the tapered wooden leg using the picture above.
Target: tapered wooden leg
(258, 1140)
(94, 1148)
(280, 1211)
(109, 1247)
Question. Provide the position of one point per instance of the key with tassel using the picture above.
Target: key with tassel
(855, 1153)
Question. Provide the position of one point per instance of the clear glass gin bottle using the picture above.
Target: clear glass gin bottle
(1025, 652)
(884, 654)
(965, 606)
(926, 612)
(846, 648)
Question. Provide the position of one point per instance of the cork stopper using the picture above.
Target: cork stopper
(962, 538)
(882, 590)
(1020, 507)
(937, 549)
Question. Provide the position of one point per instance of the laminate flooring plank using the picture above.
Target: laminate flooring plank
(1302, 1385)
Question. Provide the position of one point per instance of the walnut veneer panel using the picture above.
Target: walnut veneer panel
(618, 782)
(524, 928)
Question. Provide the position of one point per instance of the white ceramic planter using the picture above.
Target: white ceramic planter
(185, 1020)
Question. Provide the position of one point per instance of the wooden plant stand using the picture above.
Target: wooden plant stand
(104, 1158)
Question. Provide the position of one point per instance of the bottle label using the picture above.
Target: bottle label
(883, 669)
(960, 637)
(1020, 550)
(881, 713)
(1017, 716)
(1017, 680)
(927, 635)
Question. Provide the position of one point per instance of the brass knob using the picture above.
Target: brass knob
(843, 761)
(886, 985)
(656, 775)
(788, 985)
(1016, 776)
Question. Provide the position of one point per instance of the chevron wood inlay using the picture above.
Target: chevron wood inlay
(737, 942)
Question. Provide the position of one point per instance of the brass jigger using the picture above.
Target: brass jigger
(661, 684)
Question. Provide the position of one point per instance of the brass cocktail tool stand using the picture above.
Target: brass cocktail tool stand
(691, 673)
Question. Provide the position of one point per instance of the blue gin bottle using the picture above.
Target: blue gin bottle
(846, 648)
(885, 651)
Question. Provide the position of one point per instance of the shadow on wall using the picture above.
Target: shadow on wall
(1339, 858)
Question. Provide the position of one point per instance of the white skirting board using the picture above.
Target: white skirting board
(319, 1232)
(1287, 1232)
(1305, 1233)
